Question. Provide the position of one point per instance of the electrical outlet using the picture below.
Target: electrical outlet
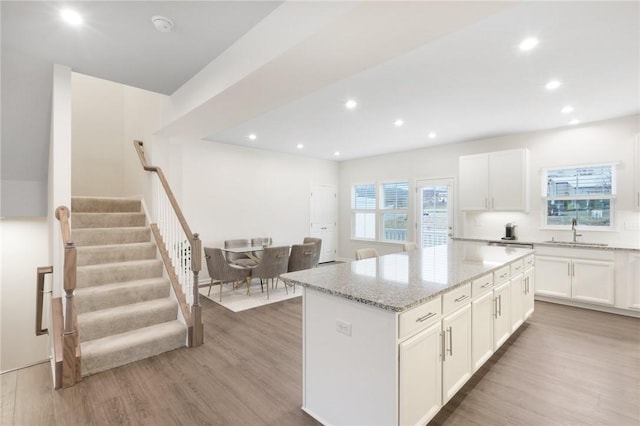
(343, 327)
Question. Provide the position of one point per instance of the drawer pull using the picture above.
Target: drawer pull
(461, 298)
(486, 285)
(503, 275)
(425, 317)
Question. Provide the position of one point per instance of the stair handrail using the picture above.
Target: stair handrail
(71, 372)
(195, 265)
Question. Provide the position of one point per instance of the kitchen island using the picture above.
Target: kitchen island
(389, 340)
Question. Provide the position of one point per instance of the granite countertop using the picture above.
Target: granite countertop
(567, 244)
(400, 281)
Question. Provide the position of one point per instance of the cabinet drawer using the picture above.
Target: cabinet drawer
(419, 318)
(529, 261)
(481, 285)
(501, 275)
(517, 267)
(456, 298)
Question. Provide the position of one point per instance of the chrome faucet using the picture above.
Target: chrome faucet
(574, 223)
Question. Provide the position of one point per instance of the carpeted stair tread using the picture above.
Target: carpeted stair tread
(112, 253)
(113, 351)
(105, 236)
(106, 322)
(106, 220)
(117, 294)
(106, 273)
(104, 205)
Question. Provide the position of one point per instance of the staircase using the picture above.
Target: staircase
(125, 309)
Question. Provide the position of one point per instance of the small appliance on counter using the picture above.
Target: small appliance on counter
(510, 232)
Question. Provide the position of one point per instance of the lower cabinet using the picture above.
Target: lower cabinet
(529, 286)
(456, 353)
(501, 318)
(482, 329)
(633, 282)
(554, 276)
(516, 304)
(420, 376)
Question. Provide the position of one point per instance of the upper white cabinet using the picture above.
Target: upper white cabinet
(494, 181)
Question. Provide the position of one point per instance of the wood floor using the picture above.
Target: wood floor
(566, 366)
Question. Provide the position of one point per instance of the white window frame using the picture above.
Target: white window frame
(355, 212)
(611, 197)
(384, 210)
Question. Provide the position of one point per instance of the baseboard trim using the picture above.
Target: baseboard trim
(575, 304)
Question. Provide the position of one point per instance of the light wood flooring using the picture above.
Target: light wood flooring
(566, 366)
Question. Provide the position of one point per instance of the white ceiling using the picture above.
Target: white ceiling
(471, 84)
(465, 84)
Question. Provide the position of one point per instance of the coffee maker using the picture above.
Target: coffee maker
(510, 231)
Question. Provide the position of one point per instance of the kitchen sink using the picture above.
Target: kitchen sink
(577, 243)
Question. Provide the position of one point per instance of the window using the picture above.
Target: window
(364, 211)
(395, 204)
(390, 213)
(585, 193)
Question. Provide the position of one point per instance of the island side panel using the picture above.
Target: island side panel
(349, 380)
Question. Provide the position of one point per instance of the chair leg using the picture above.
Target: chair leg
(248, 281)
(221, 284)
(210, 285)
(286, 287)
(268, 287)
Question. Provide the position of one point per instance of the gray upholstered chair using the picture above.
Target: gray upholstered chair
(301, 257)
(240, 259)
(274, 262)
(219, 269)
(366, 253)
(318, 249)
(409, 246)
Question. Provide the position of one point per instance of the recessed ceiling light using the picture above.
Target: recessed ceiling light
(336, 153)
(162, 23)
(71, 17)
(351, 104)
(299, 146)
(552, 85)
(253, 136)
(567, 109)
(398, 123)
(528, 43)
(432, 135)
(574, 122)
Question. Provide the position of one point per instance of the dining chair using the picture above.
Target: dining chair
(260, 241)
(274, 262)
(240, 259)
(219, 269)
(366, 253)
(318, 252)
(301, 258)
(409, 246)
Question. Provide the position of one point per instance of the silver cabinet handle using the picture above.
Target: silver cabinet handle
(425, 317)
(444, 349)
(500, 305)
(485, 285)
(461, 298)
(569, 269)
(450, 341)
(493, 204)
(573, 269)
(495, 307)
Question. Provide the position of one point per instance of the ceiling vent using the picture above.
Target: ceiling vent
(162, 23)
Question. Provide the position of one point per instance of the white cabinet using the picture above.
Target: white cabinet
(592, 281)
(517, 293)
(633, 282)
(586, 276)
(501, 319)
(494, 181)
(529, 289)
(420, 376)
(456, 358)
(553, 276)
(482, 329)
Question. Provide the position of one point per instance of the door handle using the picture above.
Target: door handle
(444, 348)
(500, 305)
(495, 307)
(450, 329)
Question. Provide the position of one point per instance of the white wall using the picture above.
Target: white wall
(24, 245)
(107, 117)
(604, 141)
(236, 192)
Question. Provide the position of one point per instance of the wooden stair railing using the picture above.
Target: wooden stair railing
(71, 371)
(180, 250)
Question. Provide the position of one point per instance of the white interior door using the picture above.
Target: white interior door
(323, 218)
(435, 211)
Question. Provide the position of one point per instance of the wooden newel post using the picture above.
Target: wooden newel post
(70, 366)
(196, 313)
